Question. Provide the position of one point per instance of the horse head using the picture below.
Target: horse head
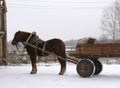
(22, 36)
(17, 38)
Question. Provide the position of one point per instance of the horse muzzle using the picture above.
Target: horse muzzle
(14, 43)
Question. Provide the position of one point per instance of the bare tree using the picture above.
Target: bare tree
(110, 22)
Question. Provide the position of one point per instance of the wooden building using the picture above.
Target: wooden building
(3, 33)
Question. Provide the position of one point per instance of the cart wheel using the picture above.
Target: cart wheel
(85, 68)
(98, 67)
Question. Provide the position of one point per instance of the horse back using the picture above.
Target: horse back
(55, 46)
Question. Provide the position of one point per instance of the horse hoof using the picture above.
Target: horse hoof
(60, 73)
(32, 72)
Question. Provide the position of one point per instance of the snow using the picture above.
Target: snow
(47, 77)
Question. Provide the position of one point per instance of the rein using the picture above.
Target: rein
(17, 47)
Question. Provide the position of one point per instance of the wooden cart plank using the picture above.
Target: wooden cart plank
(100, 50)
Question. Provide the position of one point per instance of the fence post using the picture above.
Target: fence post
(3, 33)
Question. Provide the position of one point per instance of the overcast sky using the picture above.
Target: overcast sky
(64, 19)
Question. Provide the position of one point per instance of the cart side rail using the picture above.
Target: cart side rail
(98, 50)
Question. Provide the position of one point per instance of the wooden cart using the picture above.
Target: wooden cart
(89, 54)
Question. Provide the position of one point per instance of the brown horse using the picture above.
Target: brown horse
(55, 46)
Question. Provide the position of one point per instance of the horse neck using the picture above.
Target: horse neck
(28, 36)
(25, 36)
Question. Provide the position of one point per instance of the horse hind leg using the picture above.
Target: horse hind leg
(63, 66)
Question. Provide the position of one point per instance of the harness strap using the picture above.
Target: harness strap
(43, 50)
(30, 36)
(37, 41)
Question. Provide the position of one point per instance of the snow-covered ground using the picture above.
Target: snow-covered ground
(47, 77)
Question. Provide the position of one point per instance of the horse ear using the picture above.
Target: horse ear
(19, 31)
(34, 32)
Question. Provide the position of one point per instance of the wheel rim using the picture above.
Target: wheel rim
(85, 68)
(98, 67)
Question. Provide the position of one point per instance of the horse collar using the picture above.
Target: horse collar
(35, 40)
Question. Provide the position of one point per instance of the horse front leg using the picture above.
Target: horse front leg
(33, 62)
